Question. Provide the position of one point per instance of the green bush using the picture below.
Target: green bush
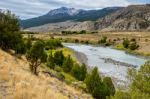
(133, 46)
(10, 37)
(36, 55)
(67, 64)
(103, 40)
(126, 43)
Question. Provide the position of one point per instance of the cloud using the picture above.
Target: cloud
(32, 8)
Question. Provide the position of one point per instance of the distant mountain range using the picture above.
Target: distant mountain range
(131, 18)
(64, 14)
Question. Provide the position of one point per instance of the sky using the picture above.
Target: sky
(25, 9)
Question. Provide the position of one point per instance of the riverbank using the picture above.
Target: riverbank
(142, 39)
(110, 62)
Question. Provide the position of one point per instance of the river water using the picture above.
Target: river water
(110, 62)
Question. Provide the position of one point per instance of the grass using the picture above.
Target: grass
(68, 78)
(134, 52)
(17, 82)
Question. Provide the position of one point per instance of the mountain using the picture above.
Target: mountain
(131, 18)
(65, 14)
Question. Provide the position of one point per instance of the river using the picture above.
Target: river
(110, 62)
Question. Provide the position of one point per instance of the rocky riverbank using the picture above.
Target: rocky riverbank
(118, 63)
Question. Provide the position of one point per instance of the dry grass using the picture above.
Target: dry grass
(143, 38)
(16, 82)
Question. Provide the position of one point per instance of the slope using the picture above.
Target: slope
(131, 18)
(16, 82)
(65, 14)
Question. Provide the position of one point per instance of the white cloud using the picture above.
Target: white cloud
(33, 8)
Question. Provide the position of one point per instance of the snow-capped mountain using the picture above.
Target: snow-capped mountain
(68, 14)
(64, 10)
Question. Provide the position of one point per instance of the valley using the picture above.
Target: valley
(61, 49)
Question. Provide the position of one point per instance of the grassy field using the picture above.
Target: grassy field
(142, 38)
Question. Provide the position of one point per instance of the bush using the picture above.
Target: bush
(126, 43)
(103, 40)
(76, 71)
(36, 55)
(10, 37)
(50, 61)
(59, 58)
(110, 86)
(53, 44)
(67, 64)
(94, 84)
(58, 69)
(133, 46)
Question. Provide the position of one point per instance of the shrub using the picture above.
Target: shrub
(50, 61)
(36, 56)
(103, 40)
(133, 46)
(67, 64)
(94, 84)
(10, 37)
(126, 43)
(110, 86)
(59, 58)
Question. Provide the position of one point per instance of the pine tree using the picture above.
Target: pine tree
(76, 71)
(83, 72)
(68, 64)
(110, 86)
(50, 61)
(94, 85)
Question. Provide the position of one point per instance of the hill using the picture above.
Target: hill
(17, 82)
(65, 14)
(131, 18)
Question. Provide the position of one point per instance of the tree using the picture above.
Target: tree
(68, 64)
(95, 85)
(20, 47)
(140, 86)
(9, 27)
(28, 43)
(126, 43)
(50, 61)
(83, 72)
(110, 86)
(36, 55)
(59, 58)
(10, 37)
(76, 71)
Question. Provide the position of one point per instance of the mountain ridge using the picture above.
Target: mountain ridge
(130, 18)
(65, 14)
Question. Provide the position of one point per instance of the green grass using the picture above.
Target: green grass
(69, 78)
(120, 47)
(134, 52)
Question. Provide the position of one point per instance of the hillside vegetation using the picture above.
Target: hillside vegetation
(17, 82)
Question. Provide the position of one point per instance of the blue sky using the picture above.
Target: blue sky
(32, 8)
